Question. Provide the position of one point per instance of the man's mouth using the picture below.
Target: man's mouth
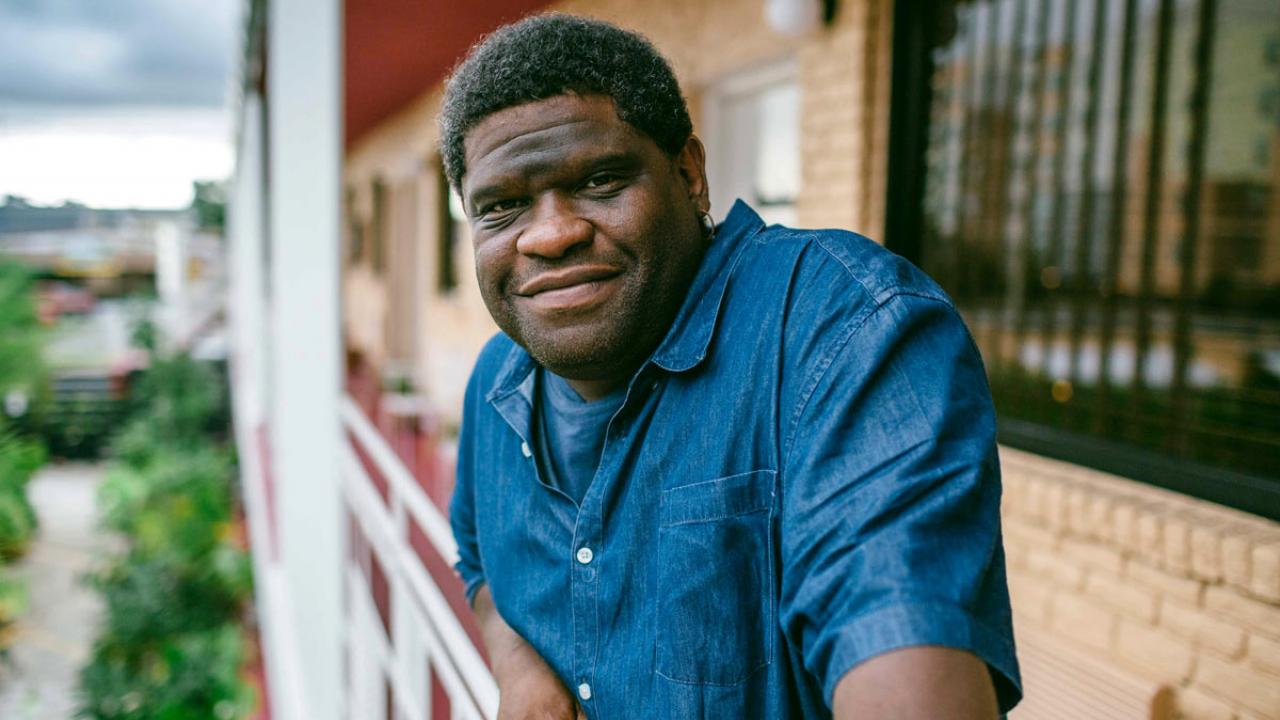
(569, 289)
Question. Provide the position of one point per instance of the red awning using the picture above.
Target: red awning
(395, 50)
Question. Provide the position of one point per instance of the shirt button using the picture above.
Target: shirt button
(524, 450)
(585, 555)
(584, 691)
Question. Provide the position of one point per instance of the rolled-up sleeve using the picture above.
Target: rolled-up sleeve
(890, 529)
(462, 507)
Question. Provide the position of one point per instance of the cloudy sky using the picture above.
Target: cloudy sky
(115, 103)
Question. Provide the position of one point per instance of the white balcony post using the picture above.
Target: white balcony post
(305, 144)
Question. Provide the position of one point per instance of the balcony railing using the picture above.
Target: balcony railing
(413, 649)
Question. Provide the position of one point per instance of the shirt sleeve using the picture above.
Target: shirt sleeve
(890, 530)
(462, 507)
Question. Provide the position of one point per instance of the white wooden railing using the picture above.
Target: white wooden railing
(427, 640)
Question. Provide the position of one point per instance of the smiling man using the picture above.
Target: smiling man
(705, 472)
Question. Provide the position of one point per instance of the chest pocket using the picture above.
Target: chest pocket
(716, 614)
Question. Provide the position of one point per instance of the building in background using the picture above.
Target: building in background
(99, 272)
(1095, 182)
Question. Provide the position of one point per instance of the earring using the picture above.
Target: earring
(708, 224)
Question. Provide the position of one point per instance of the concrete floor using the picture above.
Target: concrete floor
(54, 637)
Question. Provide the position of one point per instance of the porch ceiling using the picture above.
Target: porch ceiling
(395, 50)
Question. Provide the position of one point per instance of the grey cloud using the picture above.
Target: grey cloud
(77, 52)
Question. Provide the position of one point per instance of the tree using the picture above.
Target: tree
(209, 200)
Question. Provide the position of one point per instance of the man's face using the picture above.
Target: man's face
(586, 233)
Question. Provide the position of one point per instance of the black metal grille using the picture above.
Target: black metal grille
(1100, 193)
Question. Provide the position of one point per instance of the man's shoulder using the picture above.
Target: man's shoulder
(844, 269)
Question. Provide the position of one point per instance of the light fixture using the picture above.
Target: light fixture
(798, 17)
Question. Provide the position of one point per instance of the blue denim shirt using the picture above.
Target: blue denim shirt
(802, 476)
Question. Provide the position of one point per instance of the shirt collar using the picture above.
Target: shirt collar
(686, 343)
(690, 335)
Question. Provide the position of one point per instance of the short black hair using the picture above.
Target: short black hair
(553, 54)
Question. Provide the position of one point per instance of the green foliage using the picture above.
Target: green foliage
(180, 403)
(188, 675)
(17, 524)
(171, 645)
(178, 494)
(13, 603)
(21, 372)
(210, 204)
(21, 365)
(144, 335)
(150, 598)
(19, 460)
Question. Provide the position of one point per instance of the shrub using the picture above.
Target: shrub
(190, 675)
(21, 373)
(171, 646)
(13, 602)
(181, 402)
(19, 460)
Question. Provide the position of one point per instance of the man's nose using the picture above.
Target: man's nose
(555, 231)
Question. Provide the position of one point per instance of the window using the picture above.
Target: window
(453, 225)
(378, 229)
(1085, 186)
(753, 142)
(355, 228)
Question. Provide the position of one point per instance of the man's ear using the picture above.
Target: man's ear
(691, 163)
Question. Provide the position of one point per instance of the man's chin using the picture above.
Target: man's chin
(586, 350)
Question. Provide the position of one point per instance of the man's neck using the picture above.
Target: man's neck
(600, 381)
(591, 390)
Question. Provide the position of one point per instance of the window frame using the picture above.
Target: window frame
(716, 95)
(910, 101)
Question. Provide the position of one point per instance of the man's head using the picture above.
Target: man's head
(554, 54)
(573, 152)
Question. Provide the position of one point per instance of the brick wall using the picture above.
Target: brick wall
(843, 78)
(1158, 584)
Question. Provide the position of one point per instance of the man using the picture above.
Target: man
(704, 472)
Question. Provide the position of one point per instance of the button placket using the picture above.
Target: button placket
(585, 600)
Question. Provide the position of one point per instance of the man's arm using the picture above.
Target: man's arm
(917, 683)
(528, 688)
(890, 538)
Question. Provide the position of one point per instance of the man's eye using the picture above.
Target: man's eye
(601, 181)
(501, 206)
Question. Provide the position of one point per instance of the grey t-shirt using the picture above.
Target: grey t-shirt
(571, 432)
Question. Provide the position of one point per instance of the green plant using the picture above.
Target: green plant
(190, 675)
(150, 598)
(22, 379)
(179, 402)
(21, 365)
(171, 646)
(19, 459)
(13, 602)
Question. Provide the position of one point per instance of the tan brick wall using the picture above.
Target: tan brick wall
(1157, 584)
(844, 81)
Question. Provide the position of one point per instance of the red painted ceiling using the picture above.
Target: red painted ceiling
(394, 50)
